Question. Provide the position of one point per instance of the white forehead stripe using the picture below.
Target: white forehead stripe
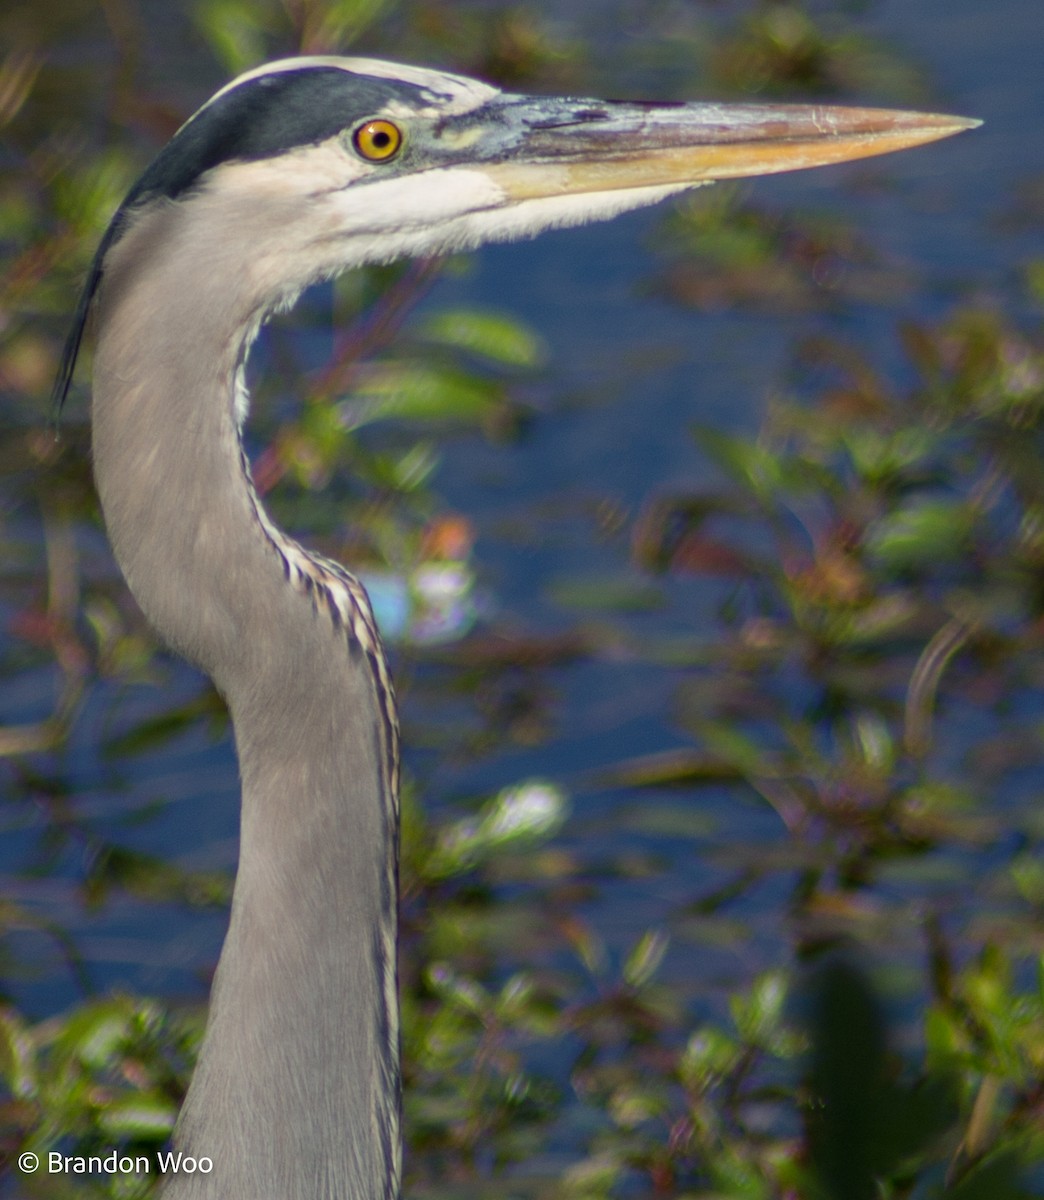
(464, 94)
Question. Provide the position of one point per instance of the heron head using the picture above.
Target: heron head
(367, 161)
(308, 166)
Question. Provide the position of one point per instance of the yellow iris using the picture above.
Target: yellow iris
(378, 140)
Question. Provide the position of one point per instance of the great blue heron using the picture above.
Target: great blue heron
(291, 174)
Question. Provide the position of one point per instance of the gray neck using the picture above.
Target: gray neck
(296, 1092)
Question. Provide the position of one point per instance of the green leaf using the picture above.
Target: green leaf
(96, 1032)
(709, 1055)
(644, 960)
(758, 1015)
(235, 32)
(420, 392)
(345, 21)
(17, 1055)
(875, 741)
(747, 461)
(139, 1116)
(593, 1177)
(732, 746)
(498, 338)
(516, 817)
(923, 532)
(460, 991)
(877, 455)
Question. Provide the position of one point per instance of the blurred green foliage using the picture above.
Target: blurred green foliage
(881, 623)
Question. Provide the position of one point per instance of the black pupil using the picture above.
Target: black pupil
(381, 138)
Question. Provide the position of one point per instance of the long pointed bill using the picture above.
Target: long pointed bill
(564, 147)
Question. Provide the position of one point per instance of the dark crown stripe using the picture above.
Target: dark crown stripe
(262, 117)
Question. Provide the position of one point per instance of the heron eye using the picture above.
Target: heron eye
(377, 140)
